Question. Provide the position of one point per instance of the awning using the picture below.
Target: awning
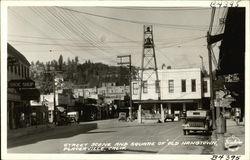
(29, 94)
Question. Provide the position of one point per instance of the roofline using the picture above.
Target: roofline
(180, 69)
(12, 51)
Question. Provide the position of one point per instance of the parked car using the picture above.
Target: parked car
(122, 116)
(73, 116)
(197, 120)
(169, 117)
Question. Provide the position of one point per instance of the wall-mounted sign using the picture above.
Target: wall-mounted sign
(21, 83)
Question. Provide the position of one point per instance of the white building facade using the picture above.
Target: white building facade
(179, 89)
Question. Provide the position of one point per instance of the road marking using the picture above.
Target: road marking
(168, 145)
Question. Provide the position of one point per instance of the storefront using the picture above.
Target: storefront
(21, 89)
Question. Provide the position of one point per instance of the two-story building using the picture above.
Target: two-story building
(19, 93)
(63, 98)
(180, 90)
(111, 91)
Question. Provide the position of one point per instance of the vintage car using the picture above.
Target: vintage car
(122, 116)
(73, 116)
(197, 120)
(169, 117)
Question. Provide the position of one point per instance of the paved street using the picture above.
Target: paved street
(117, 137)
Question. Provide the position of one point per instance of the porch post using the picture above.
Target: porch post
(169, 108)
(139, 114)
(162, 113)
(184, 106)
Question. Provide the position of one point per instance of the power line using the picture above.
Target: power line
(118, 35)
(167, 9)
(76, 31)
(185, 27)
(86, 34)
(36, 28)
(88, 46)
(54, 26)
(58, 29)
(88, 31)
(194, 39)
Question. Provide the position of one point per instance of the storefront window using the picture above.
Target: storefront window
(135, 88)
(183, 85)
(171, 86)
(193, 84)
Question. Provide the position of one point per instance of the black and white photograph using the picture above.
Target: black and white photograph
(125, 79)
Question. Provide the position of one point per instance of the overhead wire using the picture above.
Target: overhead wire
(93, 35)
(54, 26)
(116, 34)
(135, 41)
(158, 41)
(112, 46)
(167, 9)
(185, 27)
(75, 30)
(91, 38)
(32, 25)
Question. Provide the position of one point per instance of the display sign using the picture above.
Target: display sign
(22, 83)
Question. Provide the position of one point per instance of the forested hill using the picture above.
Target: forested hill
(87, 74)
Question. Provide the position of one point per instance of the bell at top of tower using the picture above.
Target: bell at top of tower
(148, 29)
(148, 41)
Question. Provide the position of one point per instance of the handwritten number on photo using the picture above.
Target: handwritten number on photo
(214, 157)
(225, 157)
(225, 4)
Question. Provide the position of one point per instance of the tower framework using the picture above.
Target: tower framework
(149, 71)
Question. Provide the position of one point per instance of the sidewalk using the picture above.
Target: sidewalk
(233, 131)
(32, 130)
(14, 133)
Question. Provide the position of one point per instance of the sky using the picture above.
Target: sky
(100, 34)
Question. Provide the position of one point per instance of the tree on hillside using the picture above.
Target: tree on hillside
(60, 62)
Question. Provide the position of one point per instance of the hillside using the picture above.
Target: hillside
(87, 74)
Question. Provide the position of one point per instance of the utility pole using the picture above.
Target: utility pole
(54, 72)
(130, 80)
(209, 47)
